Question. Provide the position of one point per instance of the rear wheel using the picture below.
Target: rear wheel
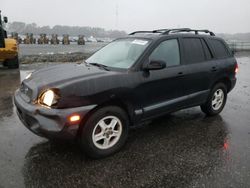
(105, 132)
(216, 100)
(12, 63)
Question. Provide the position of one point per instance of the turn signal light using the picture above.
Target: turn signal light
(74, 118)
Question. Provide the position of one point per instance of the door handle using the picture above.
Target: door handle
(180, 74)
(213, 69)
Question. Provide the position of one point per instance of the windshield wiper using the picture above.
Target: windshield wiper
(100, 65)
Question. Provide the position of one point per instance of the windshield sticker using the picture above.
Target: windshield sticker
(140, 42)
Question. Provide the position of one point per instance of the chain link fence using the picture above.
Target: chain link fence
(239, 46)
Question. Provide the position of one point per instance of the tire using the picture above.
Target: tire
(216, 100)
(109, 140)
(12, 63)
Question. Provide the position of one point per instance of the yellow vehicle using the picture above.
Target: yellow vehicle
(29, 39)
(15, 36)
(43, 39)
(54, 39)
(65, 39)
(8, 47)
(81, 40)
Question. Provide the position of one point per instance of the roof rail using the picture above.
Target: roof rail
(160, 31)
(188, 30)
(169, 31)
(135, 32)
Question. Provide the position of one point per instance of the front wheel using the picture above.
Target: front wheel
(216, 100)
(105, 132)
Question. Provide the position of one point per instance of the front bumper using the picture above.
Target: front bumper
(49, 123)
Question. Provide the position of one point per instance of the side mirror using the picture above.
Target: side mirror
(5, 19)
(155, 65)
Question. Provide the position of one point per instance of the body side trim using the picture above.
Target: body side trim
(169, 102)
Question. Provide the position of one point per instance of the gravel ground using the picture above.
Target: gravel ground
(34, 53)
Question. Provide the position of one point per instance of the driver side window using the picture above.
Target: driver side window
(167, 51)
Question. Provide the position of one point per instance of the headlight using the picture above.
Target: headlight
(48, 98)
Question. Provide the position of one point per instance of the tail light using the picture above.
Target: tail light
(236, 68)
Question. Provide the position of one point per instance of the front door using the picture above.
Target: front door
(161, 90)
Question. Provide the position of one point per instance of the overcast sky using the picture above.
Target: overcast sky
(227, 16)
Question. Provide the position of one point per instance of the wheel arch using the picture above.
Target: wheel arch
(224, 80)
(124, 105)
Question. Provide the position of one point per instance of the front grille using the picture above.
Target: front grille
(27, 120)
(26, 92)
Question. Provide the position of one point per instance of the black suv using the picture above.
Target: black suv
(142, 76)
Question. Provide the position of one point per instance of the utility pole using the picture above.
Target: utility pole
(116, 15)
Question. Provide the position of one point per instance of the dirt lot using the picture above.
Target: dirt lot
(33, 53)
(184, 149)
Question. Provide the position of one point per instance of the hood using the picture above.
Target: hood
(63, 73)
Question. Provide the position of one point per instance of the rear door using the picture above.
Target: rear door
(200, 69)
(225, 61)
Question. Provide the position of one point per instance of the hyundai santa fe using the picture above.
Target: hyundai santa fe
(132, 79)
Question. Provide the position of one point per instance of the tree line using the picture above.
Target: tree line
(23, 28)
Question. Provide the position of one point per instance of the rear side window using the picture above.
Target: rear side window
(206, 50)
(167, 51)
(220, 50)
(193, 50)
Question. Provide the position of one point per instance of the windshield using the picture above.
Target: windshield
(121, 53)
